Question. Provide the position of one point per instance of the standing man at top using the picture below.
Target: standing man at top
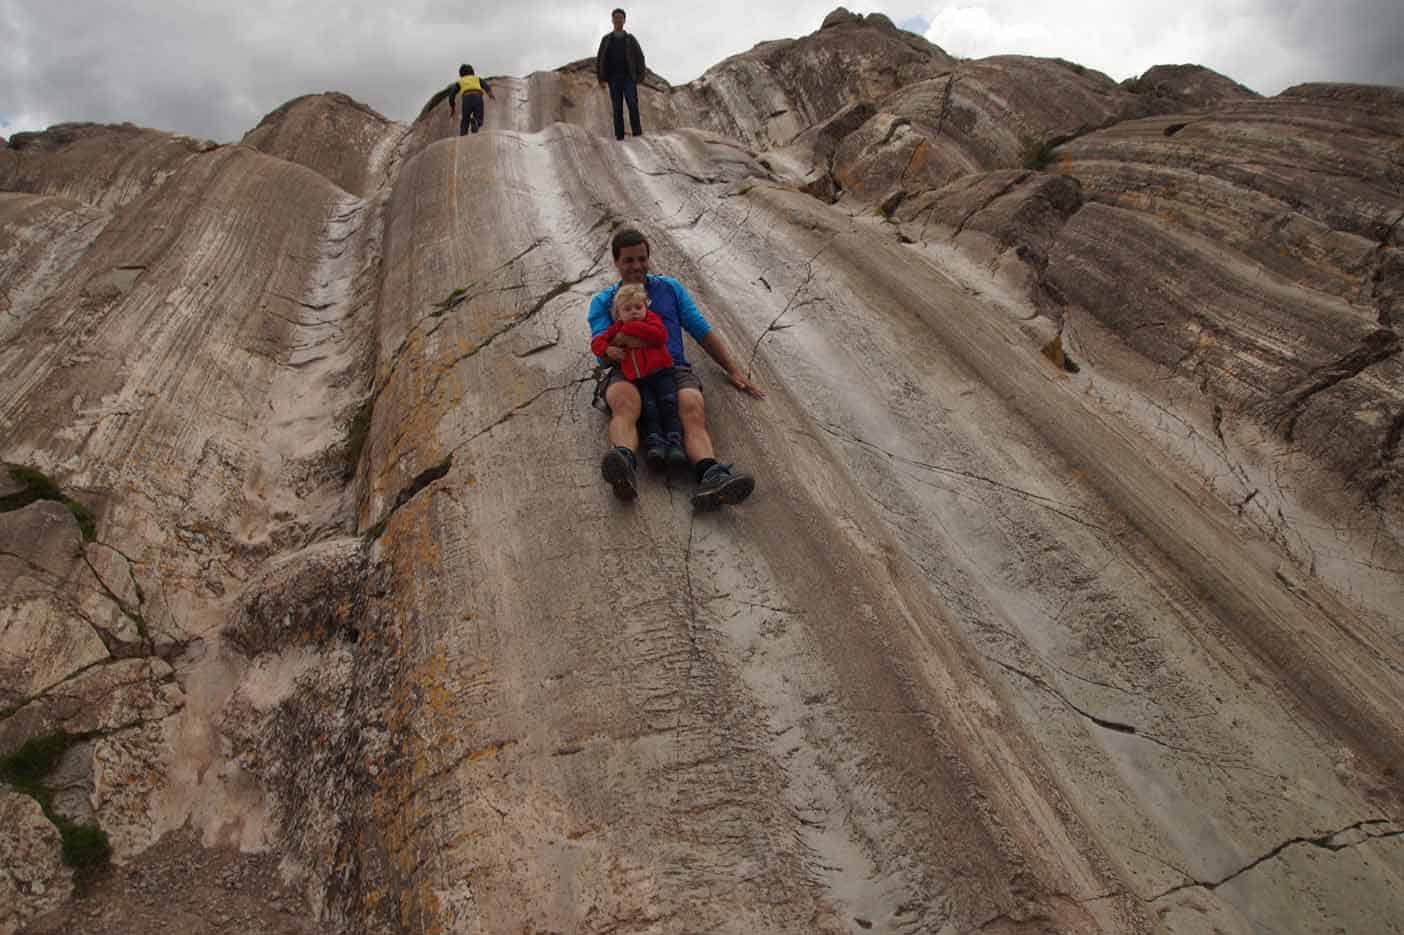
(620, 65)
(717, 483)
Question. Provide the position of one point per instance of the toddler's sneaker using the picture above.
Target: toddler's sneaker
(655, 452)
(677, 455)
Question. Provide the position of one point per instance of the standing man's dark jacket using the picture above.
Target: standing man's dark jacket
(627, 58)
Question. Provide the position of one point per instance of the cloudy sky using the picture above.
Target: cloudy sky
(213, 68)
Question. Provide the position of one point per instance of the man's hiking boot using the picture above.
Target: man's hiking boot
(655, 452)
(618, 470)
(677, 457)
(720, 486)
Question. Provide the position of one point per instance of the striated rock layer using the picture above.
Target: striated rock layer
(1068, 600)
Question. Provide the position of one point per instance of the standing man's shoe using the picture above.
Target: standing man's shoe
(618, 470)
(720, 486)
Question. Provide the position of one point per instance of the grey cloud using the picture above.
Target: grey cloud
(1345, 40)
(214, 69)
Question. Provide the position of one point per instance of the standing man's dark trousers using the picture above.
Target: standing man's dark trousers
(473, 104)
(623, 88)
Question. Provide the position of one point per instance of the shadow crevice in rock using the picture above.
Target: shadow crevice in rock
(1064, 510)
(421, 481)
(555, 292)
(134, 614)
(1216, 759)
(1386, 471)
(1377, 347)
(466, 294)
(1003, 190)
(789, 306)
(20, 703)
(1370, 830)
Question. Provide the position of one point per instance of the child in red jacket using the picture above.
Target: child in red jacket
(648, 365)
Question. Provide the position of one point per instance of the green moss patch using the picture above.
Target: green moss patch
(85, 846)
(453, 299)
(26, 768)
(87, 525)
(1037, 153)
(36, 485)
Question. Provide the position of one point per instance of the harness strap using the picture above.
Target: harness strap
(601, 375)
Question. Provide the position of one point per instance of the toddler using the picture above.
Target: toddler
(648, 365)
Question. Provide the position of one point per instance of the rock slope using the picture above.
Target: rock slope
(1068, 600)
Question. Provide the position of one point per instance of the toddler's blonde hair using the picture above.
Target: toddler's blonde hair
(624, 294)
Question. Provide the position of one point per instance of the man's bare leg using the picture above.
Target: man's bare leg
(694, 422)
(619, 467)
(624, 409)
(719, 485)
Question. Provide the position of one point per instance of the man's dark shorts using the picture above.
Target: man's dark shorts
(686, 377)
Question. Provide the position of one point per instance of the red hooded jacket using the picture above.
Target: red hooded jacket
(638, 362)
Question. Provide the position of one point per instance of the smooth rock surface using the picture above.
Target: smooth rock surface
(1067, 601)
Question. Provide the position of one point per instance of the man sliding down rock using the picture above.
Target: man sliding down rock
(717, 483)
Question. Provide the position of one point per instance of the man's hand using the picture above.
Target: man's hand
(615, 354)
(738, 380)
(626, 340)
(717, 350)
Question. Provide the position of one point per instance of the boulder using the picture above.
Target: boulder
(1180, 88)
(331, 134)
(33, 879)
(995, 113)
(105, 166)
(839, 16)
